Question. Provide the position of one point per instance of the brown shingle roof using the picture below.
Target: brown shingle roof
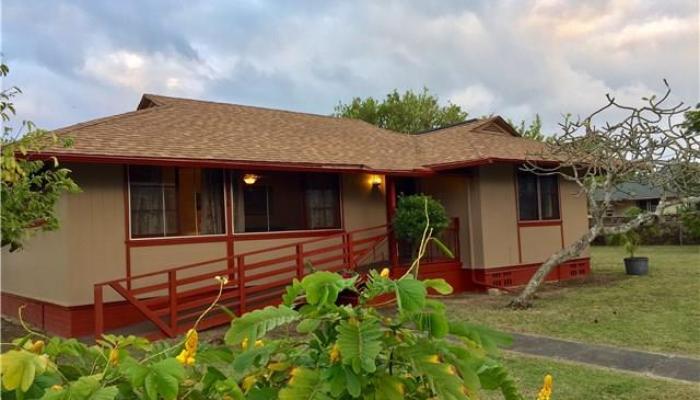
(173, 128)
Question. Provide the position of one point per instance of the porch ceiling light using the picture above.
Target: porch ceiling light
(250, 179)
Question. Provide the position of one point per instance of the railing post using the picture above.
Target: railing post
(99, 312)
(300, 260)
(241, 284)
(349, 246)
(172, 295)
(457, 244)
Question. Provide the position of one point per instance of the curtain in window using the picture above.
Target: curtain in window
(322, 202)
(211, 212)
(549, 195)
(527, 196)
(146, 210)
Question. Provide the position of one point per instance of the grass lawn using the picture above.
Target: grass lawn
(659, 312)
(581, 382)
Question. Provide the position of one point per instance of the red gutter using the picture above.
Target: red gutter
(259, 165)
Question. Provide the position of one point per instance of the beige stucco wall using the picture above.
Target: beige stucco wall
(539, 242)
(493, 212)
(452, 192)
(60, 267)
(494, 202)
(574, 213)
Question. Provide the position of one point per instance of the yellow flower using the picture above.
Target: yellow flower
(259, 343)
(248, 382)
(451, 369)
(546, 391)
(187, 355)
(244, 344)
(36, 347)
(384, 273)
(192, 341)
(293, 374)
(434, 359)
(335, 353)
(57, 387)
(114, 356)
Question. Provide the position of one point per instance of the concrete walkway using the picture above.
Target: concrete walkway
(661, 365)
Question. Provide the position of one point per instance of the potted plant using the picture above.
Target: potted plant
(634, 265)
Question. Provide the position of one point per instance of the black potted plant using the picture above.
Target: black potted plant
(634, 265)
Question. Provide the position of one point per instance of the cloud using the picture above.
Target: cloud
(516, 58)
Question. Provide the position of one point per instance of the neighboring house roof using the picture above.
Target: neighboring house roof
(168, 128)
(632, 191)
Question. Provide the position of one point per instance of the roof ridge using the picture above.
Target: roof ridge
(185, 99)
(432, 130)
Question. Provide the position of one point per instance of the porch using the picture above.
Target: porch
(172, 299)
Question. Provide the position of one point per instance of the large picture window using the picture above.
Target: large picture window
(538, 197)
(277, 201)
(166, 201)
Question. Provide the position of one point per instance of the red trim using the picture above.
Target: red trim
(518, 275)
(517, 213)
(228, 209)
(285, 235)
(165, 241)
(228, 164)
(68, 321)
(540, 222)
(390, 197)
(484, 161)
(127, 225)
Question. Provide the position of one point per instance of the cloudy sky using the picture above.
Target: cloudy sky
(77, 60)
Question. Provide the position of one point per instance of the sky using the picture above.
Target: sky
(79, 60)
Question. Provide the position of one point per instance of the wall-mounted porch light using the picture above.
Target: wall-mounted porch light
(250, 179)
(375, 181)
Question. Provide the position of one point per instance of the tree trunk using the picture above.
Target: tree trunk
(567, 253)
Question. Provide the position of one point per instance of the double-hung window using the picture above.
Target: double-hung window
(168, 201)
(538, 197)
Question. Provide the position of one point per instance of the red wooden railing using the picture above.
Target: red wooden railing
(173, 298)
(449, 236)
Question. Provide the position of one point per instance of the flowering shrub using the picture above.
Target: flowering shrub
(393, 342)
(309, 347)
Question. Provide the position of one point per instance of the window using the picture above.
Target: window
(167, 201)
(538, 197)
(279, 201)
(648, 205)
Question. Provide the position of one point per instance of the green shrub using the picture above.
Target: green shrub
(410, 218)
(307, 347)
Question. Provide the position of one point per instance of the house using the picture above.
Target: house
(180, 191)
(630, 195)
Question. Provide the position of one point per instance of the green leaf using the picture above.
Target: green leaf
(489, 339)
(410, 295)
(442, 247)
(308, 325)
(388, 387)
(293, 292)
(19, 367)
(85, 388)
(305, 384)
(323, 287)
(163, 380)
(359, 344)
(135, 373)
(434, 322)
(439, 285)
(256, 324)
